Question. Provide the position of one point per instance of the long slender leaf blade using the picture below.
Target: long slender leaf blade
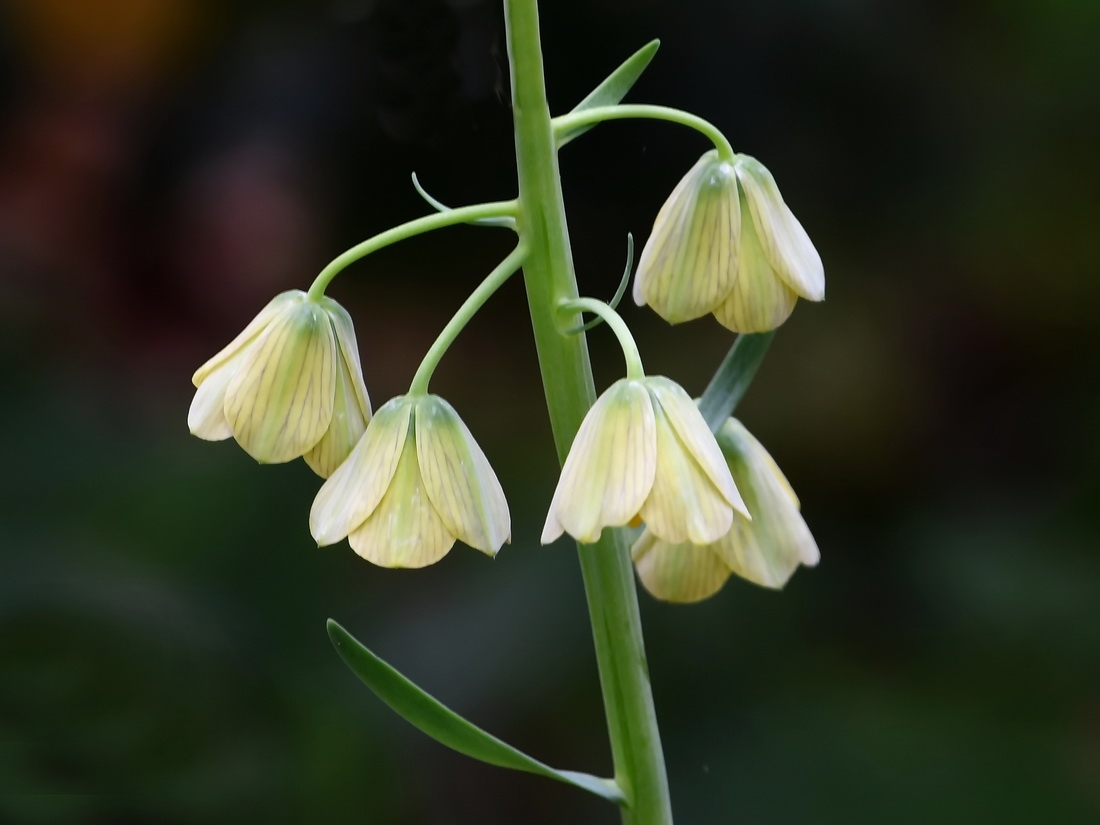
(614, 88)
(444, 725)
(731, 381)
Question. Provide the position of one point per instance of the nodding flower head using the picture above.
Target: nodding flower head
(766, 550)
(644, 453)
(725, 243)
(414, 483)
(289, 385)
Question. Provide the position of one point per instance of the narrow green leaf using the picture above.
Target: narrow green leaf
(444, 725)
(614, 88)
(731, 381)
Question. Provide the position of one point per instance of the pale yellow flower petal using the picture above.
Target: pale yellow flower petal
(689, 263)
(346, 427)
(773, 492)
(280, 303)
(782, 237)
(610, 467)
(684, 504)
(677, 572)
(694, 433)
(767, 463)
(458, 479)
(552, 529)
(206, 417)
(753, 552)
(760, 300)
(663, 242)
(404, 530)
(345, 340)
(353, 492)
(279, 402)
(770, 548)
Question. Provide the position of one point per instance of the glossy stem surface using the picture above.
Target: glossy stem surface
(567, 380)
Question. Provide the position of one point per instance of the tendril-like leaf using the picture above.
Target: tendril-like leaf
(619, 293)
(442, 207)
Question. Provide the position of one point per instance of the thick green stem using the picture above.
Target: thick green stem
(567, 379)
(493, 281)
(585, 117)
(464, 214)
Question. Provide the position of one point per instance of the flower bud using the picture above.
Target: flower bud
(725, 243)
(289, 385)
(414, 483)
(766, 550)
(643, 452)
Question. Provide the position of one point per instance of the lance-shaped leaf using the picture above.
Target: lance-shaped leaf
(447, 727)
(614, 88)
(731, 381)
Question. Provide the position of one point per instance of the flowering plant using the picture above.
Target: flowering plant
(645, 481)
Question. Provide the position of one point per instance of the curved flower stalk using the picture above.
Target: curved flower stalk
(414, 483)
(725, 243)
(644, 453)
(289, 385)
(766, 550)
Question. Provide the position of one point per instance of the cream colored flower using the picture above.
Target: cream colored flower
(414, 483)
(766, 550)
(289, 385)
(644, 452)
(725, 242)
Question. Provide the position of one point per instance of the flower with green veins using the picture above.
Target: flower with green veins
(289, 385)
(414, 483)
(644, 453)
(766, 550)
(725, 243)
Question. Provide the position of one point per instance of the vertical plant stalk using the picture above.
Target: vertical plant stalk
(567, 380)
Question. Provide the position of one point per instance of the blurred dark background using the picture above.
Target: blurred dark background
(166, 166)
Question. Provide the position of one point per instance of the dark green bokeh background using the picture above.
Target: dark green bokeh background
(168, 165)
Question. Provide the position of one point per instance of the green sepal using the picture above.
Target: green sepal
(614, 88)
(731, 381)
(447, 727)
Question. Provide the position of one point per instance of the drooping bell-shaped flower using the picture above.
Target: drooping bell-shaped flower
(725, 243)
(289, 385)
(644, 453)
(414, 483)
(766, 550)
